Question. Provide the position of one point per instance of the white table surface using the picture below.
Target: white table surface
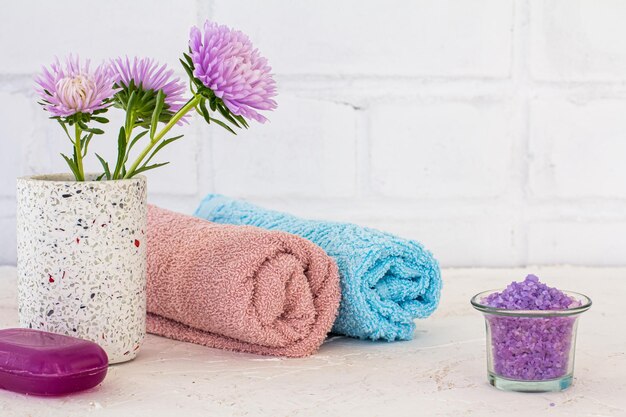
(440, 373)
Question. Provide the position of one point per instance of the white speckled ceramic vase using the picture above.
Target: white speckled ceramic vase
(81, 259)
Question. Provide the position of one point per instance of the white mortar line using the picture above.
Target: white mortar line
(522, 92)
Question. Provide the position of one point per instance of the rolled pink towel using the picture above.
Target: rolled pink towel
(238, 287)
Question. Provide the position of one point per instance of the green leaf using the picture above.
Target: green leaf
(128, 149)
(102, 120)
(130, 107)
(65, 130)
(226, 114)
(94, 130)
(205, 113)
(203, 110)
(188, 59)
(160, 101)
(188, 69)
(136, 139)
(146, 168)
(85, 143)
(105, 166)
(121, 153)
(72, 166)
(242, 120)
(213, 102)
(160, 146)
(224, 125)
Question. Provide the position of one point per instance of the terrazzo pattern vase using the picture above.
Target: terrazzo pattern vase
(81, 259)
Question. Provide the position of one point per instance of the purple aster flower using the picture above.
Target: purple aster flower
(73, 88)
(227, 63)
(145, 74)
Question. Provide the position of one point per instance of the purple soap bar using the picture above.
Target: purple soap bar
(42, 363)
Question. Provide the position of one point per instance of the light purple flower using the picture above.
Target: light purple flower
(227, 63)
(148, 75)
(70, 89)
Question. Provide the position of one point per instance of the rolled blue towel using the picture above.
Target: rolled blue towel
(386, 281)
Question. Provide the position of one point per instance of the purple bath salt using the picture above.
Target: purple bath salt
(531, 348)
(530, 294)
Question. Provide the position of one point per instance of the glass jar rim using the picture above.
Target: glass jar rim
(585, 304)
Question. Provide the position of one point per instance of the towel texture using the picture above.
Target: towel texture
(238, 287)
(386, 282)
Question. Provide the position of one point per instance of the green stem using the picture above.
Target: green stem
(79, 155)
(191, 104)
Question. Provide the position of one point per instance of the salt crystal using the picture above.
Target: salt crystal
(530, 348)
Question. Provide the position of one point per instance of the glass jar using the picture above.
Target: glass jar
(531, 350)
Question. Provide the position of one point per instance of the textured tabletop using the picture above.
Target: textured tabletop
(440, 373)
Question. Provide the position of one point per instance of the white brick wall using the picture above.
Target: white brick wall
(474, 138)
(308, 149)
(578, 40)
(577, 148)
(493, 130)
(395, 37)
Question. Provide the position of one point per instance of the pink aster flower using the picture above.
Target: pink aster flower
(227, 63)
(146, 74)
(75, 88)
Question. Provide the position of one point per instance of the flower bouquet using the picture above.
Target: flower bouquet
(81, 257)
